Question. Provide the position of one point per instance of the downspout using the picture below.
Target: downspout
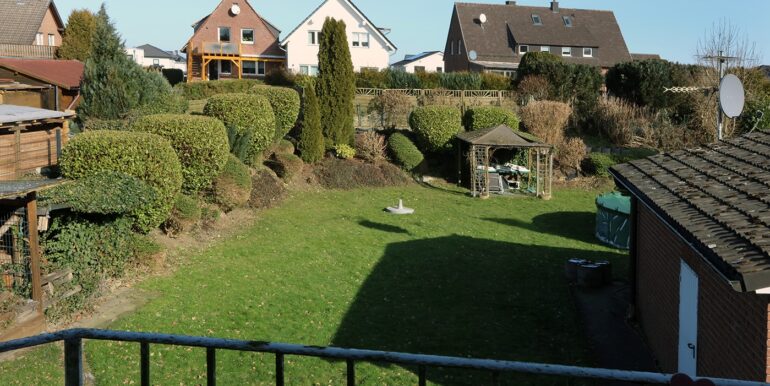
(56, 98)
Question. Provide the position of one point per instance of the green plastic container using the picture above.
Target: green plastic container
(613, 219)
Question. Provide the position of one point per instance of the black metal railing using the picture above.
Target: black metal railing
(73, 358)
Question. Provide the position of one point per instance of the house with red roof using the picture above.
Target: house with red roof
(60, 77)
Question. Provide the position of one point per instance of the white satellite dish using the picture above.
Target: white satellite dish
(732, 96)
(235, 9)
(483, 18)
(472, 55)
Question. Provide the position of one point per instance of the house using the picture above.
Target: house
(63, 76)
(700, 256)
(494, 37)
(151, 56)
(645, 56)
(370, 48)
(234, 41)
(30, 29)
(432, 61)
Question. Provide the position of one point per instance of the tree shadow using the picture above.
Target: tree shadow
(578, 226)
(468, 297)
(383, 227)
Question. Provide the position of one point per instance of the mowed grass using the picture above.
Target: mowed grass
(462, 277)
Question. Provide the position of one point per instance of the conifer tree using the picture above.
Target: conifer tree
(76, 43)
(311, 139)
(336, 85)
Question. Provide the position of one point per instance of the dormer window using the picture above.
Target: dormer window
(536, 20)
(567, 21)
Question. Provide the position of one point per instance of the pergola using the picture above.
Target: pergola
(484, 142)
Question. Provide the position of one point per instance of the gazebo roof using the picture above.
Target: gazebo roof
(502, 136)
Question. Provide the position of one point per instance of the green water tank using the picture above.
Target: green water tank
(613, 219)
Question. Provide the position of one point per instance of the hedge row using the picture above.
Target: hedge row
(484, 117)
(232, 189)
(246, 112)
(396, 79)
(404, 152)
(286, 105)
(204, 90)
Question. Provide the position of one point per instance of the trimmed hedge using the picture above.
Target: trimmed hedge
(285, 103)
(484, 117)
(404, 152)
(335, 173)
(232, 189)
(107, 193)
(105, 124)
(204, 90)
(184, 217)
(435, 126)
(200, 143)
(246, 112)
(147, 157)
(599, 164)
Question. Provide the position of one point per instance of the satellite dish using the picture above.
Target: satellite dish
(472, 55)
(483, 18)
(732, 96)
(235, 9)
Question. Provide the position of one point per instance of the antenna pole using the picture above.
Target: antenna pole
(720, 113)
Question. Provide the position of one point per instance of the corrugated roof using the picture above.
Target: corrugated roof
(10, 114)
(21, 20)
(507, 25)
(716, 197)
(503, 136)
(63, 73)
(15, 189)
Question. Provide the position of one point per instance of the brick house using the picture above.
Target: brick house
(701, 256)
(233, 42)
(30, 29)
(494, 37)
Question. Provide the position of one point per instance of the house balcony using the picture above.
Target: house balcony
(217, 49)
(27, 51)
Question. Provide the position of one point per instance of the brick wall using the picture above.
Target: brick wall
(733, 327)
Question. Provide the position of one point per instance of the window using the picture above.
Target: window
(567, 21)
(156, 62)
(439, 69)
(308, 70)
(420, 69)
(131, 56)
(536, 20)
(545, 49)
(249, 68)
(39, 39)
(224, 34)
(566, 51)
(51, 40)
(260, 68)
(523, 49)
(247, 36)
(225, 67)
(453, 47)
(313, 37)
(360, 39)
(588, 52)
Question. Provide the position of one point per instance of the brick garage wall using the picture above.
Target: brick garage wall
(732, 326)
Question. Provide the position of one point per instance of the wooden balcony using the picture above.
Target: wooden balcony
(27, 52)
(217, 49)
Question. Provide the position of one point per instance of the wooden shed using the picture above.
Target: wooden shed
(31, 139)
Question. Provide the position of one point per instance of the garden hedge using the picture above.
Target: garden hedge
(484, 117)
(148, 157)
(106, 193)
(246, 112)
(404, 152)
(286, 105)
(232, 189)
(435, 127)
(204, 90)
(200, 143)
(184, 217)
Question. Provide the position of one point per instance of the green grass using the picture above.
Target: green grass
(462, 277)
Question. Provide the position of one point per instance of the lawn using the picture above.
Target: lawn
(462, 277)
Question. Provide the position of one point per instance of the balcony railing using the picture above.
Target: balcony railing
(22, 51)
(73, 358)
(217, 48)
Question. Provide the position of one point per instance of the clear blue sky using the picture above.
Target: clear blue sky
(670, 28)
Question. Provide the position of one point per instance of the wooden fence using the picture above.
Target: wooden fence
(439, 93)
(24, 51)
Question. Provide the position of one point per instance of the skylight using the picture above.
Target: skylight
(536, 20)
(567, 21)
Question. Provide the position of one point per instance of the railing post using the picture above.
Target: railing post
(73, 362)
(351, 372)
(279, 378)
(145, 363)
(211, 366)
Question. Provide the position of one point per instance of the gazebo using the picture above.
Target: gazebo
(483, 143)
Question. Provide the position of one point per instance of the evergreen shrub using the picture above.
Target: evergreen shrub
(404, 152)
(248, 113)
(435, 127)
(484, 117)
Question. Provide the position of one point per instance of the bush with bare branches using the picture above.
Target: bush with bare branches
(393, 108)
(547, 120)
(370, 146)
(533, 87)
(571, 153)
(621, 121)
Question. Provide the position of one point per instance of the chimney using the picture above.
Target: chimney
(555, 6)
(511, 2)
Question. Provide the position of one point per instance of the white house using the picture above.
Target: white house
(369, 45)
(432, 61)
(151, 56)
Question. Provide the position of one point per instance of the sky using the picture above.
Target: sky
(671, 28)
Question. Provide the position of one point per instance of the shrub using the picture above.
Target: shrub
(286, 166)
(285, 103)
(280, 77)
(370, 146)
(95, 124)
(435, 126)
(268, 189)
(171, 104)
(147, 157)
(393, 107)
(200, 143)
(620, 120)
(571, 153)
(248, 113)
(370, 78)
(283, 146)
(185, 215)
(429, 80)
(239, 142)
(335, 85)
(484, 117)
(232, 188)
(599, 164)
(404, 152)
(174, 76)
(311, 140)
(106, 193)
(345, 151)
(461, 81)
(546, 120)
(400, 79)
(492, 81)
(205, 90)
(533, 87)
(334, 173)
(643, 82)
(77, 41)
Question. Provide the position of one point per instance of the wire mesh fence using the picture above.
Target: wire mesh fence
(14, 252)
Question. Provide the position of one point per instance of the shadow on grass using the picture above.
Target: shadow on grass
(383, 227)
(578, 226)
(469, 297)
